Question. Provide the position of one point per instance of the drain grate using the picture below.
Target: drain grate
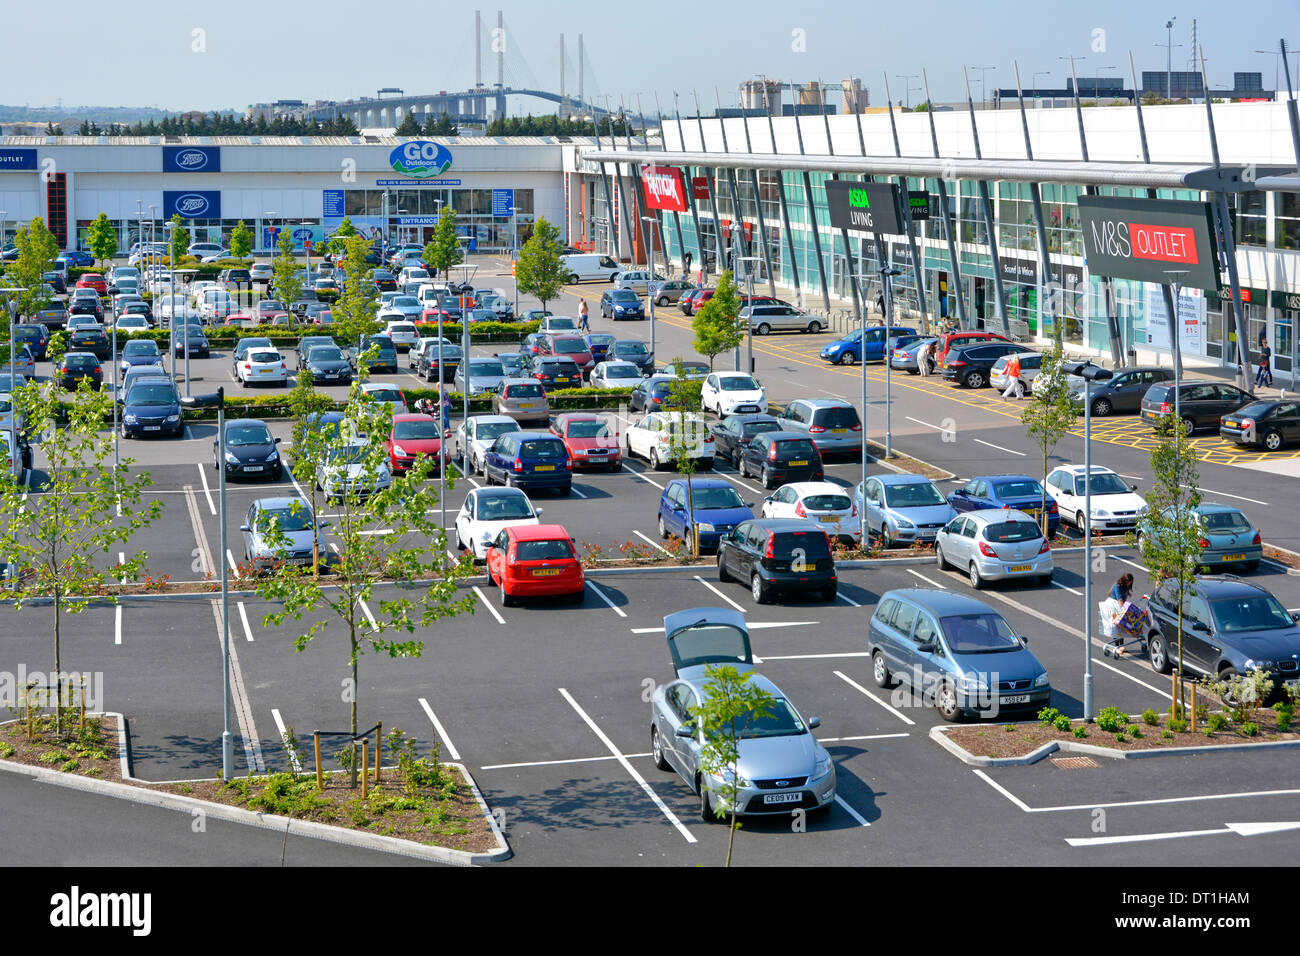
(1074, 763)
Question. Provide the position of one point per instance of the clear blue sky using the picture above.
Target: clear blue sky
(149, 53)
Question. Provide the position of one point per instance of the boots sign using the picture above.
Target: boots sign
(664, 188)
(1148, 239)
(864, 207)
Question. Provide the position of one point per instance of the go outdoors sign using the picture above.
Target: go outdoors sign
(864, 207)
(420, 159)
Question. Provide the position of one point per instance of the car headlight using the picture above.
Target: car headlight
(399, 450)
(273, 456)
(973, 683)
(231, 458)
(705, 526)
(1042, 680)
(1252, 664)
(903, 523)
(173, 418)
(1101, 512)
(129, 419)
(823, 766)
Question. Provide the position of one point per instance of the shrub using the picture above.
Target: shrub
(1177, 725)
(1150, 717)
(1062, 723)
(1216, 722)
(1121, 739)
(1285, 713)
(7, 750)
(1135, 731)
(1080, 732)
(1112, 720)
(1047, 716)
(1249, 729)
(1009, 728)
(1167, 734)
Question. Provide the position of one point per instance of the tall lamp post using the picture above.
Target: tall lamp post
(651, 223)
(749, 291)
(1176, 339)
(887, 274)
(862, 352)
(514, 253)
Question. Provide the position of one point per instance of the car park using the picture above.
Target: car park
(535, 561)
(831, 423)
(902, 509)
(487, 512)
(414, 436)
(281, 529)
(823, 504)
(661, 437)
(1266, 424)
(971, 365)
(614, 375)
(764, 319)
(523, 399)
(780, 766)
(477, 434)
(1226, 537)
(1116, 506)
(73, 367)
(619, 304)
(732, 393)
(590, 442)
(262, 366)
(151, 407)
(955, 652)
(1199, 404)
(250, 451)
(1018, 492)
(849, 349)
(777, 556)
(995, 546)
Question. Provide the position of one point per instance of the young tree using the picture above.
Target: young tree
(408, 128)
(407, 557)
(241, 241)
(305, 406)
(101, 238)
(443, 250)
(37, 249)
(355, 309)
(687, 430)
(717, 323)
(541, 271)
(85, 508)
(730, 703)
(1050, 414)
(344, 231)
(285, 271)
(180, 239)
(1169, 531)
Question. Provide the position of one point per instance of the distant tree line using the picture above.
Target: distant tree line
(433, 126)
(217, 124)
(551, 125)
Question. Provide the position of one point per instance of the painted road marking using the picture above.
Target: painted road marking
(893, 710)
(1254, 501)
(117, 626)
(442, 731)
(720, 594)
(553, 763)
(1199, 798)
(604, 597)
(752, 625)
(203, 474)
(1000, 448)
(929, 581)
(648, 541)
(284, 736)
(243, 616)
(853, 813)
(483, 597)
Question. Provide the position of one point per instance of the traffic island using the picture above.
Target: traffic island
(419, 807)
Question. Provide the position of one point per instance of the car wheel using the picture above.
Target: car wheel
(572, 278)
(1189, 425)
(757, 588)
(1250, 567)
(507, 600)
(1272, 440)
(976, 581)
(763, 329)
(1227, 675)
(723, 576)
(662, 300)
(814, 328)
(740, 466)
(945, 701)
(663, 532)
(974, 380)
(830, 592)
(880, 670)
(768, 480)
(656, 748)
(846, 358)
(1101, 407)
(1079, 521)
(1158, 653)
(940, 561)
(687, 538)
(706, 807)
(654, 459)
(1045, 579)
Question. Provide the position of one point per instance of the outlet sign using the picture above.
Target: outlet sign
(1150, 240)
(864, 207)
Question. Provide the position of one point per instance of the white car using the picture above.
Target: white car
(652, 438)
(215, 304)
(486, 511)
(260, 272)
(638, 280)
(822, 503)
(1030, 364)
(401, 308)
(132, 323)
(391, 394)
(614, 374)
(733, 393)
(198, 287)
(346, 470)
(17, 463)
(262, 366)
(206, 251)
(412, 277)
(403, 333)
(1116, 505)
(479, 433)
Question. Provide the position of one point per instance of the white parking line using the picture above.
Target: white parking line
(442, 731)
(233, 566)
(848, 600)
(929, 581)
(369, 615)
(1199, 798)
(1253, 501)
(744, 484)
(720, 594)
(577, 492)
(937, 428)
(297, 487)
(853, 813)
(999, 447)
(752, 625)
(284, 733)
(627, 765)
(816, 657)
(1133, 564)
(648, 541)
(117, 626)
(189, 435)
(604, 597)
(893, 710)
(1110, 667)
(488, 604)
(643, 477)
(553, 763)
(212, 506)
(836, 740)
(377, 531)
(243, 616)
(1058, 584)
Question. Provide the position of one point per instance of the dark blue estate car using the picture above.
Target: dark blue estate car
(152, 407)
(529, 460)
(1016, 492)
(717, 509)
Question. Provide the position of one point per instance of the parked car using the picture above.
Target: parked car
(1227, 537)
(295, 523)
(139, 352)
(414, 436)
(91, 338)
(151, 406)
(734, 432)
(778, 556)
(1018, 492)
(831, 423)
(590, 442)
(529, 460)
(328, 365)
(732, 393)
(350, 469)
(189, 336)
(1123, 392)
(821, 503)
(477, 434)
(600, 344)
(710, 506)
(780, 457)
(251, 451)
(402, 334)
(902, 509)
(951, 340)
(636, 352)
(75, 366)
(779, 318)
(268, 309)
(651, 394)
(487, 512)
(535, 561)
(972, 365)
(670, 291)
(385, 393)
(33, 335)
(621, 304)
(523, 399)
(849, 349)
(1266, 424)
(1030, 363)
(478, 376)
(384, 357)
(995, 546)
(654, 437)
(1116, 505)
(964, 656)
(569, 347)
(637, 280)
(553, 371)
(690, 303)
(614, 375)
(1200, 404)
(262, 366)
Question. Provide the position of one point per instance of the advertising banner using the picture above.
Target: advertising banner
(864, 207)
(502, 200)
(1191, 320)
(192, 203)
(700, 187)
(1147, 239)
(191, 159)
(17, 159)
(664, 188)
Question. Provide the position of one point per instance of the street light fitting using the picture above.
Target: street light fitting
(1087, 371)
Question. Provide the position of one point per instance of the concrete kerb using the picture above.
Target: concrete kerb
(940, 736)
(137, 791)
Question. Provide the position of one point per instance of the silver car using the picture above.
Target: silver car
(831, 423)
(615, 375)
(782, 767)
(903, 509)
(477, 434)
(780, 318)
(522, 399)
(296, 523)
(484, 375)
(637, 280)
(994, 545)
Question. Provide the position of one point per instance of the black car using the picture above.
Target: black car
(1268, 424)
(1200, 404)
(328, 364)
(651, 394)
(90, 339)
(553, 371)
(512, 362)
(735, 431)
(634, 351)
(56, 282)
(138, 308)
(780, 458)
(239, 278)
(970, 365)
(35, 337)
(777, 555)
(385, 357)
(1123, 392)
(1230, 627)
(384, 280)
(427, 367)
(74, 366)
(85, 305)
(250, 451)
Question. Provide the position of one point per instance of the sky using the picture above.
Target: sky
(230, 54)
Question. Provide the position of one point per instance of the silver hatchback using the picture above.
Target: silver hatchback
(995, 545)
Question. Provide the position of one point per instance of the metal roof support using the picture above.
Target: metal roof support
(758, 206)
(610, 233)
(634, 171)
(918, 263)
(737, 222)
(844, 236)
(785, 211)
(622, 195)
(713, 194)
(812, 215)
(686, 186)
(1291, 104)
(690, 196)
(991, 233)
(953, 261)
(1045, 263)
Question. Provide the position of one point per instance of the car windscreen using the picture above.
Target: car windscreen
(1018, 489)
(1107, 484)
(560, 322)
(588, 430)
(139, 347)
(556, 550)
(504, 508)
(152, 395)
(524, 390)
(1255, 613)
(622, 371)
(779, 721)
(630, 348)
(325, 353)
(838, 417)
(913, 495)
(238, 435)
(827, 502)
(624, 295)
(740, 383)
(1008, 532)
(289, 519)
(417, 430)
(486, 368)
(270, 305)
(248, 344)
(709, 643)
(80, 361)
(488, 431)
(542, 448)
(710, 498)
(1225, 521)
(386, 395)
(796, 449)
(978, 634)
(811, 543)
(347, 454)
(569, 346)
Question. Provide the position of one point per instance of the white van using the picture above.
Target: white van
(215, 305)
(591, 267)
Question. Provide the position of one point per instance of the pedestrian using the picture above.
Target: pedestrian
(1121, 592)
(1017, 388)
(1265, 374)
(584, 324)
(446, 412)
(1122, 589)
(687, 258)
(923, 357)
(880, 301)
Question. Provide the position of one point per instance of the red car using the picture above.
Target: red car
(571, 347)
(535, 561)
(691, 302)
(590, 443)
(414, 435)
(268, 310)
(93, 280)
(951, 339)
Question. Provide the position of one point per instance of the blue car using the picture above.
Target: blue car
(717, 510)
(621, 304)
(1016, 492)
(75, 259)
(152, 407)
(848, 350)
(529, 460)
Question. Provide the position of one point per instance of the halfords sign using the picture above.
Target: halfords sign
(864, 207)
(191, 159)
(1149, 240)
(421, 159)
(192, 204)
(664, 188)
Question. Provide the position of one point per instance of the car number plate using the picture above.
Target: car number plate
(1234, 557)
(526, 404)
(829, 519)
(839, 431)
(1016, 699)
(152, 428)
(1020, 567)
(252, 468)
(782, 797)
(546, 572)
(799, 464)
(543, 468)
(1231, 425)
(926, 533)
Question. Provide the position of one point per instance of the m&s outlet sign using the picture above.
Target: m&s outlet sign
(1148, 239)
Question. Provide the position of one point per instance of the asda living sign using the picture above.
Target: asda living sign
(864, 207)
